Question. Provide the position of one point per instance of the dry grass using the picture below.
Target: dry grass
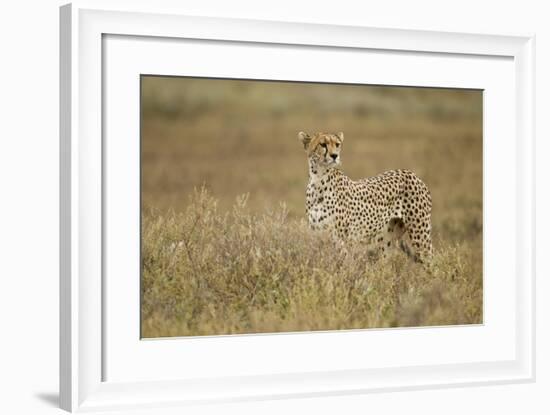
(208, 272)
(215, 265)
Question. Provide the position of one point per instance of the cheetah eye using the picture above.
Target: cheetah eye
(337, 145)
(324, 145)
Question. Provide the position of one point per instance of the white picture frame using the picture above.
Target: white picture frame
(84, 29)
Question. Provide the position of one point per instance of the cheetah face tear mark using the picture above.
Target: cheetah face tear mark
(323, 149)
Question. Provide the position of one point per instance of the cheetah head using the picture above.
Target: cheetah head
(323, 149)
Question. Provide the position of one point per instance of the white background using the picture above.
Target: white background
(29, 198)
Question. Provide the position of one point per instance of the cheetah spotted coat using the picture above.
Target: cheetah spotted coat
(387, 210)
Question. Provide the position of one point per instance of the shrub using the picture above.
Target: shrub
(205, 272)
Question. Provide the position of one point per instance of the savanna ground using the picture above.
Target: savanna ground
(225, 243)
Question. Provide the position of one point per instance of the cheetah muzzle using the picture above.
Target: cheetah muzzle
(388, 210)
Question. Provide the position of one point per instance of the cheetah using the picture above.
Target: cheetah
(384, 211)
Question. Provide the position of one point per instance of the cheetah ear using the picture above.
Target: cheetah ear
(304, 138)
(340, 136)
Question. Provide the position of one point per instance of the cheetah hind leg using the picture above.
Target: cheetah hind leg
(405, 243)
(391, 237)
(423, 253)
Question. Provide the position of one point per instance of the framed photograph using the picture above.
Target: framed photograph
(244, 231)
(260, 210)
